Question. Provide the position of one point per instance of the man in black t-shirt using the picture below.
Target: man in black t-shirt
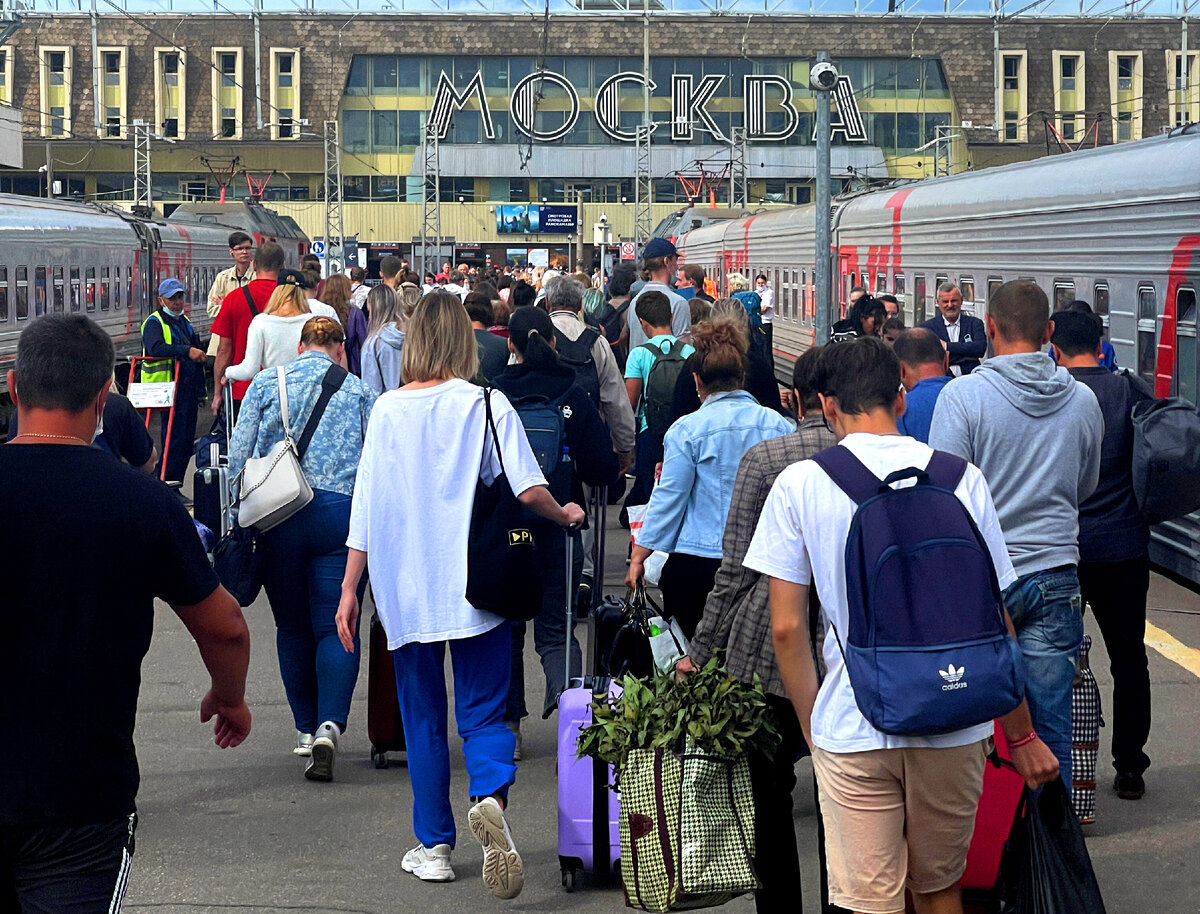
(1114, 540)
(124, 435)
(91, 542)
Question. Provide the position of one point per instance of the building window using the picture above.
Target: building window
(1125, 93)
(6, 72)
(227, 92)
(1184, 100)
(112, 93)
(285, 93)
(1014, 97)
(170, 88)
(56, 91)
(1069, 95)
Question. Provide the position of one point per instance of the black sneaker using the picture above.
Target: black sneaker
(1129, 786)
(583, 597)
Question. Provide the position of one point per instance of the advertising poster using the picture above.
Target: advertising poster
(557, 220)
(517, 219)
(516, 256)
(539, 257)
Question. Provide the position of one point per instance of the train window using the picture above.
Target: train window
(116, 289)
(59, 291)
(1185, 344)
(1064, 293)
(938, 280)
(105, 288)
(866, 281)
(1147, 320)
(994, 283)
(129, 286)
(966, 285)
(881, 282)
(796, 297)
(39, 291)
(1100, 300)
(898, 286)
(3, 293)
(91, 288)
(22, 293)
(75, 291)
(919, 292)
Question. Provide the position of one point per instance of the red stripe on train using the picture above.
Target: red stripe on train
(1177, 275)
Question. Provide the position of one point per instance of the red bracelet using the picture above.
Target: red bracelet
(1024, 740)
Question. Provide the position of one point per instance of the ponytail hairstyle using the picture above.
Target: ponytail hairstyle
(531, 332)
(721, 348)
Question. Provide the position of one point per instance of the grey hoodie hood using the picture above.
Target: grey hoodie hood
(392, 336)
(1030, 381)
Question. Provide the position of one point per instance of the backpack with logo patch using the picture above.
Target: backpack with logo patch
(546, 429)
(927, 650)
(577, 355)
(659, 394)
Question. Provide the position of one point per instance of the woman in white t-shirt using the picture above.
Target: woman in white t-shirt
(274, 335)
(425, 450)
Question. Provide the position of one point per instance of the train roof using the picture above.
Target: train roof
(38, 213)
(238, 214)
(1161, 168)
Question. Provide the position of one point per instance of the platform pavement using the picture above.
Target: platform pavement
(241, 830)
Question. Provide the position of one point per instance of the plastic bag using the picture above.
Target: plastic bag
(1046, 867)
(668, 643)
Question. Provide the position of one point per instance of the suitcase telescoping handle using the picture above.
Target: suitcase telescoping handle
(569, 552)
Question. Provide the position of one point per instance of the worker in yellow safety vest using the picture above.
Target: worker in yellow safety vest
(170, 339)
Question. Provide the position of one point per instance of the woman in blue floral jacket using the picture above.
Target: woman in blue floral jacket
(304, 557)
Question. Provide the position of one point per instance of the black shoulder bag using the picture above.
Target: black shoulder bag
(503, 573)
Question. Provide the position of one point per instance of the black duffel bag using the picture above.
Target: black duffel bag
(237, 560)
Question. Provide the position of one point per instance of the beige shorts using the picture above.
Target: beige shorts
(897, 817)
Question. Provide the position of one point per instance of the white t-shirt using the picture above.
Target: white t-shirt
(766, 304)
(801, 538)
(271, 341)
(424, 452)
(320, 309)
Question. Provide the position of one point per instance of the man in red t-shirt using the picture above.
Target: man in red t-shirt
(232, 323)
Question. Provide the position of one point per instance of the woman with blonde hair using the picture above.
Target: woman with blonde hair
(384, 346)
(701, 453)
(303, 558)
(274, 334)
(336, 293)
(427, 447)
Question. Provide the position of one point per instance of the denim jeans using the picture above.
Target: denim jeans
(1047, 610)
(304, 559)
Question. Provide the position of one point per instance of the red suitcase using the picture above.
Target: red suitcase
(993, 820)
(385, 728)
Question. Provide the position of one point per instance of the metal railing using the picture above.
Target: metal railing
(773, 8)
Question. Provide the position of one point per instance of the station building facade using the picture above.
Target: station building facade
(231, 94)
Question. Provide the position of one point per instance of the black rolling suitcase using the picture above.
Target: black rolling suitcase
(385, 728)
(210, 483)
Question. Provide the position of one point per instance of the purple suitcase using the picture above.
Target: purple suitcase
(588, 840)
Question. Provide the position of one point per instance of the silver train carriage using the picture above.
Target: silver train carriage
(1118, 227)
(58, 256)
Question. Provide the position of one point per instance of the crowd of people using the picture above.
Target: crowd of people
(404, 396)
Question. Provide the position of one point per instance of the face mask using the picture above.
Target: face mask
(762, 285)
(99, 425)
(172, 313)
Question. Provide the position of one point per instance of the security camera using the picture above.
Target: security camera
(604, 218)
(823, 76)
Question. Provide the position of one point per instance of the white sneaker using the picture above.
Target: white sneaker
(503, 872)
(324, 751)
(431, 864)
(304, 743)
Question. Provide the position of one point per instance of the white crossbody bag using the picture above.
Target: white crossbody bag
(273, 488)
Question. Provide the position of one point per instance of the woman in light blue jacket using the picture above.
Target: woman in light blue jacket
(701, 453)
(390, 311)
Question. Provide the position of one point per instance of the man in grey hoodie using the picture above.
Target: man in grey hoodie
(1035, 433)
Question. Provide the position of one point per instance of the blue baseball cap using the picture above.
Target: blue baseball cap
(170, 287)
(658, 247)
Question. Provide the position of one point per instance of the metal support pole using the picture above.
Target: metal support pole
(142, 189)
(739, 194)
(431, 222)
(49, 173)
(823, 232)
(257, 17)
(334, 236)
(644, 181)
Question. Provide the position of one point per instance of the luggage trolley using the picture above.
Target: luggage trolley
(152, 397)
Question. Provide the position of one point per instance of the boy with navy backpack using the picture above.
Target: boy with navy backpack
(904, 548)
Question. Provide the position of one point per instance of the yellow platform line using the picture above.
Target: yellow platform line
(1173, 649)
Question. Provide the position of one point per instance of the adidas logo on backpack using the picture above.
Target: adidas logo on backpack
(907, 612)
(953, 678)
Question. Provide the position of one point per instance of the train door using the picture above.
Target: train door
(1186, 368)
(1147, 321)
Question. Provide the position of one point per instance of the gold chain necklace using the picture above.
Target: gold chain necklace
(58, 437)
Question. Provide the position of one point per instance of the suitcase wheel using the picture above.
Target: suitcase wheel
(568, 879)
(379, 757)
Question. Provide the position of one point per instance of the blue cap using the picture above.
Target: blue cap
(170, 287)
(658, 247)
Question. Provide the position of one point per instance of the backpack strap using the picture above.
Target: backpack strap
(249, 299)
(946, 470)
(335, 375)
(848, 473)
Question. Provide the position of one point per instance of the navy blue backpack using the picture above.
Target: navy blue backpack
(927, 650)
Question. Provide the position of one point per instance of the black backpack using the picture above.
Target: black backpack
(577, 355)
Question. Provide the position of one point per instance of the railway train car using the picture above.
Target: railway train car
(58, 256)
(1118, 227)
(251, 217)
